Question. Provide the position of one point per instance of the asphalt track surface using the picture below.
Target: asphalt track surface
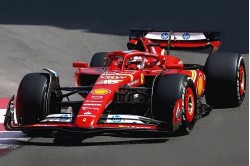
(218, 139)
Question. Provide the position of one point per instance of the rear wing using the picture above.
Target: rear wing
(174, 40)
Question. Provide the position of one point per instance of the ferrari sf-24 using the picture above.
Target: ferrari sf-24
(141, 89)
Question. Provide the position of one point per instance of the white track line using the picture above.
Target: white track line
(16, 139)
(10, 131)
(8, 146)
(2, 113)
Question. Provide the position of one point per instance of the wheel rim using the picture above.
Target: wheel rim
(189, 104)
(242, 80)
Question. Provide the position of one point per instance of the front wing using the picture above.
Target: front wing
(107, 123)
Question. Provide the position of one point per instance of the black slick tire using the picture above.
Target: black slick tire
(226, 80)
(168, 89)
(31, 98)
(98, 59)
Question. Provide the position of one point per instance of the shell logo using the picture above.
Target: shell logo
(100, 91)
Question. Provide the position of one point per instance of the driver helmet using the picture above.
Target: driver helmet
(138, 61)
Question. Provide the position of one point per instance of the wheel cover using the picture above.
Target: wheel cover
(242, 80)
(189, 104)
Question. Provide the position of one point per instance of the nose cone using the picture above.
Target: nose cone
(101, 95)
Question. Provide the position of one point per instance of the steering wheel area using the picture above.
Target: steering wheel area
(132, 67)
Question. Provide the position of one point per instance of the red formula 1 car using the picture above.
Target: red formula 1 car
(143, 89)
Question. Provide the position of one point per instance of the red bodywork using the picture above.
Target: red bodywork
(111, 79)
(118, 73)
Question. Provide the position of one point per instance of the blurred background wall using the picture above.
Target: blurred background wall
(231, 17)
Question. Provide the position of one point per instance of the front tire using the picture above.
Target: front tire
(169, 91)
(31, 98)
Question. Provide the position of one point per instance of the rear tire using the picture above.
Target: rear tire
(31, 98)
(226, 80)
(170, 89)
(98, 59)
